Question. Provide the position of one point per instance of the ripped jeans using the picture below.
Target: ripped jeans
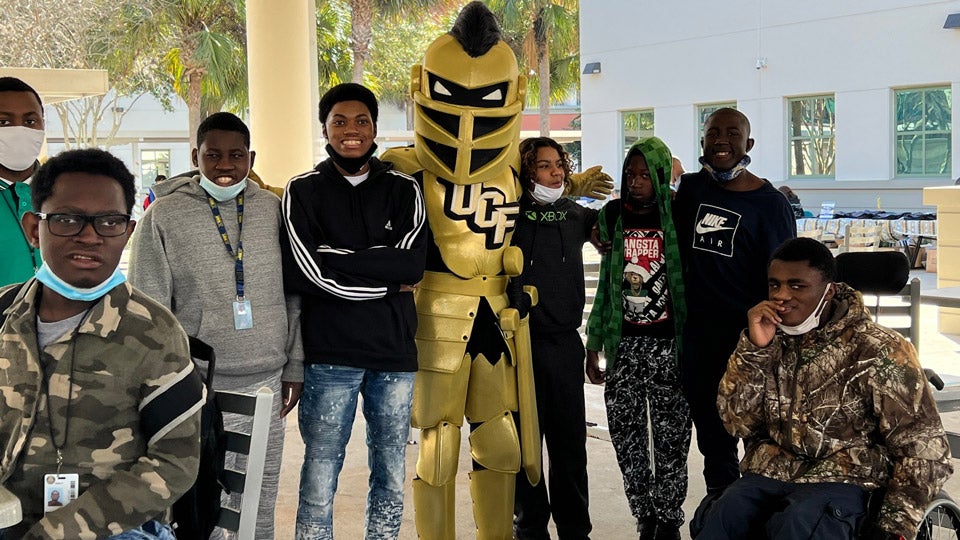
(326, 414)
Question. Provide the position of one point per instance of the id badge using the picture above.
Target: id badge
(242, 317)
(59, 490)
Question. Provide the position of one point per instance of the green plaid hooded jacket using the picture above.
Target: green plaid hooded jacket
(606, 316)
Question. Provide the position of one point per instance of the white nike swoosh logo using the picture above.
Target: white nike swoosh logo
(704, 229)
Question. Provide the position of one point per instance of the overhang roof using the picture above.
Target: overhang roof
(56, 85)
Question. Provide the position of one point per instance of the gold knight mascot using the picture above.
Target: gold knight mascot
(474, 348)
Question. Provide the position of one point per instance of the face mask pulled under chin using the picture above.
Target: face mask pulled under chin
(19, 147)
(546, 195)
(724, 177)
(811, 322)
(66, 290)
(352, 165)
(222, 193)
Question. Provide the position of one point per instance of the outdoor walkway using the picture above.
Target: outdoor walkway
(608, 506)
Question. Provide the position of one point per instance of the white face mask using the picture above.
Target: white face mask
(811, 322)
(546, 195)
(19, 147)
(222, 193)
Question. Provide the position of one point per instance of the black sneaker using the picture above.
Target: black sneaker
(667, 531)
(647, 528)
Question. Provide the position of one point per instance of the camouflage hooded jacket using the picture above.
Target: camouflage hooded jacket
(847, 402)
(130, 431)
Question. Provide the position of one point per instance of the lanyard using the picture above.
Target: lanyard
(238, 257)
(46, 382)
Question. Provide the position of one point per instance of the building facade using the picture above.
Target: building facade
(850, 102)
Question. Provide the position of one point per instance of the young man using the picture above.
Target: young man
(21, 137)
(101, 401)
(551, 232)
(355, 246)
(836, 406)
(637, 315)
(729, 222)
(208, 249)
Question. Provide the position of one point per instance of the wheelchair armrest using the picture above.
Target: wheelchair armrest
(10, 511)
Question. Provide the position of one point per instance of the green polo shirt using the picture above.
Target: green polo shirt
(20, 259)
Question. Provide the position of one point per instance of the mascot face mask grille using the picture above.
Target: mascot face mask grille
(467, 116)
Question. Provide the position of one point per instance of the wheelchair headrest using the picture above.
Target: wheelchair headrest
(874, 272)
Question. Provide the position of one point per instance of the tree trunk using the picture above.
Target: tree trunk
(543, 66)
(796, 110)
(361, 35)
(193, 103)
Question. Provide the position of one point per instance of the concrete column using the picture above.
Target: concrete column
(282, 76)
(947, 201)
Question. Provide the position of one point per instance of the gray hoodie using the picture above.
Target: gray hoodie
(178, 258)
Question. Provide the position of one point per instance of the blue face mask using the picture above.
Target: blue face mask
(726, 176)
(222, 193)
(64, 289)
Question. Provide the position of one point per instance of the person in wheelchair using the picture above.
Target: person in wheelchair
(831, 407)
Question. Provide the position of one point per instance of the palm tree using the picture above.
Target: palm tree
(362, 14)
(333, 52)
(541, 32)
(207, 57)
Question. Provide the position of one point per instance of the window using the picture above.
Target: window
(703, 111)
(152, 164)
(812, 136)
(923, 131)
(636, 125)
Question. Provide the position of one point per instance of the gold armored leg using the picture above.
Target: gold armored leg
(493, 494)
(434, 512)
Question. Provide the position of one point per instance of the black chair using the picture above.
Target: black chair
(884, 275)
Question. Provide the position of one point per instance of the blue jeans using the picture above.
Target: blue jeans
(151, 530)
(326, 413)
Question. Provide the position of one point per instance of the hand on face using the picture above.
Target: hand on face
(800, 292)
(762, 321)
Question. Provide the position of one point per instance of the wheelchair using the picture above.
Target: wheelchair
(941, 521)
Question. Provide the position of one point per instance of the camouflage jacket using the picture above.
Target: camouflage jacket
(847, 402)
(130, 431)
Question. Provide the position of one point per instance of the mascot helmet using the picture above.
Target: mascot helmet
(468, 97)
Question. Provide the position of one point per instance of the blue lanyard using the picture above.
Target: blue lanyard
(238, 257)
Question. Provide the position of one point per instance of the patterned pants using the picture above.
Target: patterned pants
(643, 397)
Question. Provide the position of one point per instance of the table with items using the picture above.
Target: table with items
(911, 234)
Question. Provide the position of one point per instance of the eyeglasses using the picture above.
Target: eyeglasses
(72, 224)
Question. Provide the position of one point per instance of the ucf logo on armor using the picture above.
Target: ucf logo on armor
(484, 209)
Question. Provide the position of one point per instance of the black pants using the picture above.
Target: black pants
(558, 362)
(760, 507)
(707, 345)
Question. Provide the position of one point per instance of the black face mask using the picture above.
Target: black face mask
(351, 165)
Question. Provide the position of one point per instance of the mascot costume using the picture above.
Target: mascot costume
(473, 343)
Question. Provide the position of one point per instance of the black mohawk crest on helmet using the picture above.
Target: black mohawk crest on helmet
(476, 29)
